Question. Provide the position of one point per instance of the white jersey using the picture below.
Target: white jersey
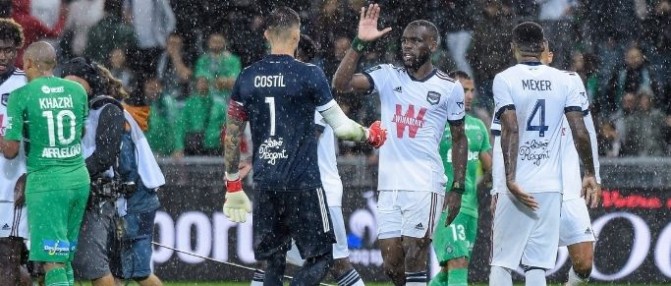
(10, 170)
(328, 166)
(539, 95)
(414, 112)
(570, 160)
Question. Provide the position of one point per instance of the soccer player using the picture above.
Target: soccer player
(575, 230)
(278, 96)
(57, 185)
(342, 269)
(417, 100)
(527, 204)
(453, 243)
(13, 217)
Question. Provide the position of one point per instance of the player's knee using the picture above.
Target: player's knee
(393, 269)
(583, 268)
(457, 263)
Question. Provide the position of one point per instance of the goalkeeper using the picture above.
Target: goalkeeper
(453, 243)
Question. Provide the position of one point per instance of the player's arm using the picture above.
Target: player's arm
(237, 204)
(506, 113)
(456, 118)
(485, 158)
(346, 129)
(10, 142)
(344, 80)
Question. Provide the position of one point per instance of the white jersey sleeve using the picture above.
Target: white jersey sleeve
(379, 76)
(455, 103)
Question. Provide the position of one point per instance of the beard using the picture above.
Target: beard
(418, 61)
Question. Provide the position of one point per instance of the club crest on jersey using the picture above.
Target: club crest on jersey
(433, 97)
(5, 98)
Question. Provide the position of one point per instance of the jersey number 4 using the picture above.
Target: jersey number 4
(539, 109)
(57, 129)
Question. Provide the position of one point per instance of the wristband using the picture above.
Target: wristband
(233, 186)
(457, 188)
(358, 45)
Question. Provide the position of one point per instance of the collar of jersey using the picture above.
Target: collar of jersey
(279, 56)
(531, 63)
(427, 77)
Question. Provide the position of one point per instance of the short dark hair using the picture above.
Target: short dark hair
(10, 30)
(459, 74)
(429, 26)
(529, 37)
(282, 18)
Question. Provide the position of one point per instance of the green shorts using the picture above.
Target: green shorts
(455, 240)
(54, 219)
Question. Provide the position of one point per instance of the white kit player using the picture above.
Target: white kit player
(575, 229)
(342, 269)
(13, 220)
(417, 101)
(531, 100)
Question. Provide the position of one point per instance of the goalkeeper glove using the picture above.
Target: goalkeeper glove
(237, 204)
(376, 134)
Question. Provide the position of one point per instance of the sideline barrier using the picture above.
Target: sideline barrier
(634, 224)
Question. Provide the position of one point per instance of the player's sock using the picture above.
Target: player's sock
(574, 279)
(56, 277)
(275, 267)
(314, 269)
(440, 279)
(257, 279)
(500, 276)
(535, 277)
(69, 273)
(415, 278)
(350, 278)
(458, 277)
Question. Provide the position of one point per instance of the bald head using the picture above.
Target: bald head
(42, 56)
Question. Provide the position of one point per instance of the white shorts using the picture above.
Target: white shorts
(575, 226)
(522, 237)
(13, 223)
(340, 248)
(407, 213)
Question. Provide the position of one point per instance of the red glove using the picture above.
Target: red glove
(376, 134)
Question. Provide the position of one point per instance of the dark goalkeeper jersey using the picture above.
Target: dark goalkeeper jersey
(280, 94)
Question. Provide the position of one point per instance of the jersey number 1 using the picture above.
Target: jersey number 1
(539, 109)
(57, 130)
(271, 105)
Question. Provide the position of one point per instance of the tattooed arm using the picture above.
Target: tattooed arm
(237, 204)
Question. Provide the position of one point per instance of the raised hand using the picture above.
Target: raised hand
(368, 24)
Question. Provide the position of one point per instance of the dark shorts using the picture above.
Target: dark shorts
(95, 255)
(136, 250)
(302, 215)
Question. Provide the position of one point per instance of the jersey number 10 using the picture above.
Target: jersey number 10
(539, 109)
(57, 130)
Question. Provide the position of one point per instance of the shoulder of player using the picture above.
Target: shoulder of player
(384, 67)
(441, 75)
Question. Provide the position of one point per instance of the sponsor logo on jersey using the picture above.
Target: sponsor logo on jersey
(272, 149)
(408, 120)
(535, 151)
(5, 98)
(47, 90)
(434, 97)
(419, 226)
(398, 89)
(56, 247)
(62, 153)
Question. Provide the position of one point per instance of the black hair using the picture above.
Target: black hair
(114, 8)
(529, 37)
(283, 18)
(308, 48)
(88, 70)
(5, 8)
(429, 26)
(459, 74)
(11, 31)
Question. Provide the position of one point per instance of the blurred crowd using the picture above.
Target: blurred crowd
(182, 57)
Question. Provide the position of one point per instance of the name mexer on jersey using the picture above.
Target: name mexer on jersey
(537, 85)
(56, 102)
(269, 81)
(62, 153)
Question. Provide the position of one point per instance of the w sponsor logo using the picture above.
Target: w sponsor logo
(408, 120)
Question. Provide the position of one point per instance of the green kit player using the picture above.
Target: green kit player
(453, 243)
(49, 113)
